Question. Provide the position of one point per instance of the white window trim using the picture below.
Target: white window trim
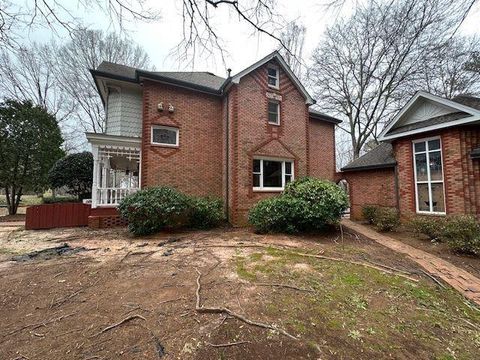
(277, 77)
(278, 113)
(429, 182)
(272, 189)
(171, 128)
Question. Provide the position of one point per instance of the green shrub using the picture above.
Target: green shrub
(59, 199)
(206, 213)
(429, 226)
(278, 214)
(308, 204)
(153, 209)
(462, 233)
(386, 219)
(369, 212)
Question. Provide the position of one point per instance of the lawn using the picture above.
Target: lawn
(135, 298)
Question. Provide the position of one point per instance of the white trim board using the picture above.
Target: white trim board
(475, 116)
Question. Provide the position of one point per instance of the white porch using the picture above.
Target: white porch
(116, 168)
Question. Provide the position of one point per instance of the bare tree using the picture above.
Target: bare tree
(86, 50)
(28, 74)
(447, 73)
(364, 68)
(293, 39)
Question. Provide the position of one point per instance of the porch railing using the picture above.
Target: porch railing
(113, 196)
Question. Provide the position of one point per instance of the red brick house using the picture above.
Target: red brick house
(241, 138)
(428, 162)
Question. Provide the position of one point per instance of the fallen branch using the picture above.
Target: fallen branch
(222, 310)
(228, 344)
(37, 325)
(434, 279)
(284, 286)
(108, 328)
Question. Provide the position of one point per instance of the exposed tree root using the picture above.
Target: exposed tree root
(108, 328)
(222, 310)
(40, 324)
(228, 344)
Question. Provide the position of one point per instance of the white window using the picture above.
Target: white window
(273, 77)
(164, 135)
(274, 112)
(428, 168)
(271, 175)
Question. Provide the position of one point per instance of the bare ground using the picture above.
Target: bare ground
(135, 298)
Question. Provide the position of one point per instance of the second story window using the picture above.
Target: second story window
(273, 77)
(164, 135)
(273, 113)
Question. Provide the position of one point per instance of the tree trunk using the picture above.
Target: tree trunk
(13, 199)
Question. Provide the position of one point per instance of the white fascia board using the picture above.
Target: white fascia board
(113, 140)
(432, 97)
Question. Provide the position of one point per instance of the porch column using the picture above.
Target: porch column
(95, 176)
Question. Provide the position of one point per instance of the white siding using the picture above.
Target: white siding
(423, 110)
(124, 112)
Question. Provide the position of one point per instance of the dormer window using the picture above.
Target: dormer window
(273, 77)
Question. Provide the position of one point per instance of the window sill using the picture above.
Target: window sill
(273, 124)
(274, 87)
(268, 189)
(165, 145)
(428, 213)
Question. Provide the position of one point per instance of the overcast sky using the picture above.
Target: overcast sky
(243, 48)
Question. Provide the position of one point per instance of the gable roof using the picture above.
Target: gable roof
(463, 110)
(275, 55)
(378, 158)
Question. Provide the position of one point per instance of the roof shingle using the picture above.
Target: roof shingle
(377, 158)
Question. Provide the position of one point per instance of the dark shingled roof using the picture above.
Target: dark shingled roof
(468, 100)
(378, 158)
(322, 116)
(198, 78)
(433, 121)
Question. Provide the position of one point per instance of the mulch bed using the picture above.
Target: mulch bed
(10, 218)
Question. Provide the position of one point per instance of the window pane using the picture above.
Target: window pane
(272, 173)
(256, 166)
(438, 198)
(256, 180)
(288, 178)
(273, 118)
(164, 136)
(434, 144)
(273, 107)
(272, 72)
(435, 161)
(419, 146)
(421, 163)
(423, 197)
(288, 168)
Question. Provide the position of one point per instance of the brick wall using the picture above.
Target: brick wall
(195, 167)
(252, 135)
(322, 149)
(370, 187)
(461, 173)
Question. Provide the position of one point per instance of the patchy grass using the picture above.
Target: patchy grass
(365, 308)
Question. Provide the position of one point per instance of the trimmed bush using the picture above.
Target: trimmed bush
(369, 213)
(386, 219)
(429, 226)
(206, 213)
(60, 199)
(308, 204)
(153, 209)
(75, 172)
(462, 234)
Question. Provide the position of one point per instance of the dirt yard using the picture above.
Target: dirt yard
(223, 294)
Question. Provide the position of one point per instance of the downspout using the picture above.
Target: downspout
(227, 155)
(397, 190)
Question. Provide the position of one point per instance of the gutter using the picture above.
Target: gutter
(368, 167)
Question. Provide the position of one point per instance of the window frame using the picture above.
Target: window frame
(277, 77)
(277, 103)
(261, 188)
(171, 128)
(429, 181)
